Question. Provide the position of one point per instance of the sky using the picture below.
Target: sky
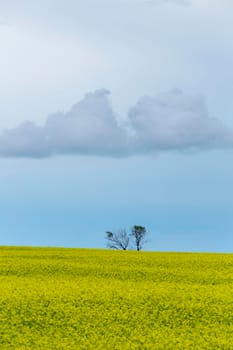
(115, 113)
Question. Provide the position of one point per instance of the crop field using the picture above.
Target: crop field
(100, 299)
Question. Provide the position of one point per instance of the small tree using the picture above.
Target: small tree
(138, 233)
(118, 240)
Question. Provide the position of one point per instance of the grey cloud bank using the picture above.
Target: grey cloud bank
(176, 121)
(167, 121)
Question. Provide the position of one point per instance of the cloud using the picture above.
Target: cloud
(168, 121)
(175, 121)
(90, 127)
(26, 140)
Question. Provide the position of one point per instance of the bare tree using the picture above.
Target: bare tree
(138, 233)
(118, 240)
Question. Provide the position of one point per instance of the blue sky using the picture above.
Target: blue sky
(128, 112)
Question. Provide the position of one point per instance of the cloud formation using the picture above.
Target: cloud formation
(175, 121)
(168, 121)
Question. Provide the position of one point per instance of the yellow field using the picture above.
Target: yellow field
(99, 299)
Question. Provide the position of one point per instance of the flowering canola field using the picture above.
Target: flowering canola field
(100, 299)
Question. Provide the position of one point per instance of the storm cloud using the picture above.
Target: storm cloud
(166, 122)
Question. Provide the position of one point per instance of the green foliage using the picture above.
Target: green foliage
(97, 299)
(138, 233)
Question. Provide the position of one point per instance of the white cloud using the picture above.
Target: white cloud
(175, 120)
(168, 121)
(90, 127)
(26, 140)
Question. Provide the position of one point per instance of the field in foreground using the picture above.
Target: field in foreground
(96, 299)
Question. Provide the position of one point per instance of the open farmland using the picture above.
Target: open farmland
(99, 299)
